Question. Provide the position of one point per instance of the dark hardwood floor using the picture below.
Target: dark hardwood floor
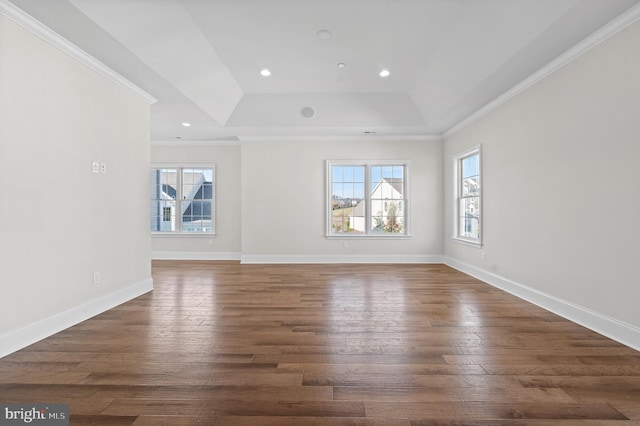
(219, 343)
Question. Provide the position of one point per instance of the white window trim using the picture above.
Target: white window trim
(457, 179)
(181, 234)
(367, 164)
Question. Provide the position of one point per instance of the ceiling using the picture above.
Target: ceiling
(202, 59)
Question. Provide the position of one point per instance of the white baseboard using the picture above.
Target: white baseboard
(20, 338)
(194, 255)
(610, 327)
(345, 258)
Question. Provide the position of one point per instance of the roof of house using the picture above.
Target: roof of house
(396, 183)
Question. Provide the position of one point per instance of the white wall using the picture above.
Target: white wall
(226, 243)
(561, 186)
(284, 201)
(59, 222)
(270, 201)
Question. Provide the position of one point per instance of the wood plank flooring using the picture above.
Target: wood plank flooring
(219, 343)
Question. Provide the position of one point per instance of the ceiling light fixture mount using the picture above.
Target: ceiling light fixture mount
(185, 124)
(324, 34)
(265, 72)
(384, 73)
(308, 112)
(341, 65)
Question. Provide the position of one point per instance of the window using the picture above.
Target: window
(367, 198)
(468, 223)
(182, 200)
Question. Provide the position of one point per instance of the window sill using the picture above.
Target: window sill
(183, 234)
(367, 237)
(470, 243)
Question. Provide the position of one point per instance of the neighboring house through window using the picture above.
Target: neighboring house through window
(367, 198)
(182, 200)
(468, 220)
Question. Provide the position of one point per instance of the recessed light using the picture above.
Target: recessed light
(265, 72)
(186, 124)
(324, 34)
(341, 65)
(384, 73)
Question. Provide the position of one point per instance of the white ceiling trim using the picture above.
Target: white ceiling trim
(342, 138)
(292, 138)
(36, 27)
(601, 35)
(190, 142)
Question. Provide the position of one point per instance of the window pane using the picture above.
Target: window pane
(376, 177)
(357, 221)
(163, 184)
(387, 214)
(337, 191)
(470, 186)
(347, 174)
(470, 165)
(207, 193)
(354, 205)
(197, 196)
(358, 174)
(163, 195)
(469, 193)
(347, 192)
(377, 207)
(391, 220)
(196, 211)
(336, 174)
(347, 217)
(192, 211)
(469, 225)
(162, 216)
(192, 180)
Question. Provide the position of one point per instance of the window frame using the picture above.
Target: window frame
(458, 196)
(179, 167)
(369, 233)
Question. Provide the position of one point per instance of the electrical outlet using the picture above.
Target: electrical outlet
(96, 278)
(103, 167)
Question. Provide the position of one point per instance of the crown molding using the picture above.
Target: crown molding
(26, 21)
(341, 138)
(601, 35)
(195, 142)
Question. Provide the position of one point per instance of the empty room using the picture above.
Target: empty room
(319, 212)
